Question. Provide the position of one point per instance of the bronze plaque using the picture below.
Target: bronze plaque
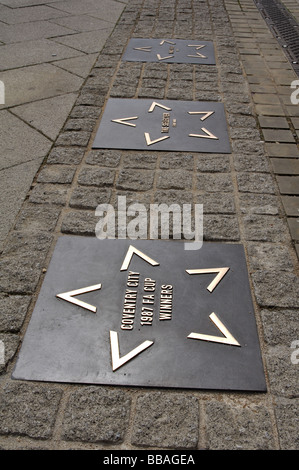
(144, 313)
(146, 124)
(179, 51)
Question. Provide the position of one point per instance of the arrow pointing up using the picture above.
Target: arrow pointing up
(129, 255)
(154, 104)
(221, 273)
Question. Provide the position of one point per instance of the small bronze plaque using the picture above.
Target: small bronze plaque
(179, 51)
(145, 124)
(144, 313)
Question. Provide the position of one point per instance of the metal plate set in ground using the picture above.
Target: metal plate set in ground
(144, 313)
(146, 124)
(179, 51)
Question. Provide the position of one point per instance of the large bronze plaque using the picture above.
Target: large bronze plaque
(146, 124)
(179, 51)
(144, 313)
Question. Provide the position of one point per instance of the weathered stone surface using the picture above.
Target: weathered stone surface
(49, 194)
(56, 174)
(220, 227)
(11, 343)
(166, 420)
(251, 203)
(256, 183)
(96, 414)
(137, 180)
(238, 426)
(251, 163)
(264, 256)
(174, 179)
(214, 182)
(279, 326)
(79, 138)
(89, 198)
(35, 417)
(140, 160)
(276, 288)
(13, 310)
(110, 158)
(79, 223)
(265, 228)
(37, 218)
(283, 374)
(213, 163)
(66, 155)
(19, 276)
(287, 423)
(216, 203)
(96, 176)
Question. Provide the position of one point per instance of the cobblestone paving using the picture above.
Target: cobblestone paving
(244, 201)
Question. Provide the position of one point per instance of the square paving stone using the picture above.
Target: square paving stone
(149, 317)
(147, 124)
(291, 205)
(288, 184)
(180, 51)
(285, 166)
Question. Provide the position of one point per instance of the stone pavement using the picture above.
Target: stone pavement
(56, 181)
(47, 51)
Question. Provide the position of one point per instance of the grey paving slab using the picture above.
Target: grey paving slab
(28, 14)
(278, 135)
(291, 205)
(88, 41)
(37, 82)
(15, 183)
(34, 52)
(108, 10)
(25, 3)
(288, 184)
(273, 122)
(78, 65)
(27, 31)
(82, 23)
(48, 115)
(18, 142)
(294, 228)
(285, 166)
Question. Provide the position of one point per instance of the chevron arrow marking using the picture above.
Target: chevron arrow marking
(228, 337)
(131, 251)
(206, 114)
(154, 104)
(151, 142)
(123, 121)
(143, 49)
(220, 274)
(208, 135)
(69, 296)
(168, 42)
(166, 57)
(118, 361)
